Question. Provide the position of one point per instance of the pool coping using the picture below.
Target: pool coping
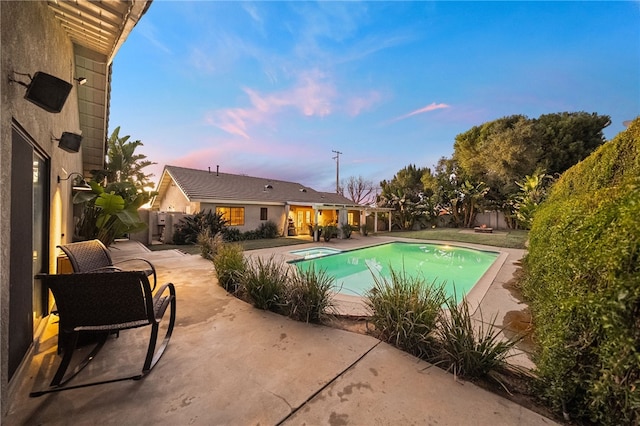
(355, 306)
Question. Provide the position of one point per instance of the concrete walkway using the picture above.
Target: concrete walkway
(231, 364)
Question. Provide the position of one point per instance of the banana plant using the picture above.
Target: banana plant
(106, 215)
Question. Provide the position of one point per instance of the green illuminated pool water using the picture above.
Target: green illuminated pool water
(459, 268)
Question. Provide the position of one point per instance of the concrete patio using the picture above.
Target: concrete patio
(231, 364)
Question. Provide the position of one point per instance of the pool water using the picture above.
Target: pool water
(314, 252)
(458, 268)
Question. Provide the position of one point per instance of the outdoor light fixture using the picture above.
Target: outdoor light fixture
(48, 92)
(81, 80)
(69, 142)
(82, 184)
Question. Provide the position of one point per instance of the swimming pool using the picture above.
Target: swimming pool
(458, 268)
(314, 252)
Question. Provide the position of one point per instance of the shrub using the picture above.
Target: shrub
(466, 349)
(329, 232)
(583, 284)
(230, 266)
(209, 244)
(309, 295)
(231, 234)
(268, 229)
(405, 311)
(190, 227)
(346, 230)
(264, 283)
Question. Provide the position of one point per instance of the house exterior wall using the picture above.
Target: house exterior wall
(275, 213)
(31, 40)
(175, 201)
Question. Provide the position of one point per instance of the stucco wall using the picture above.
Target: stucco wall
(175, 201)
(31, 40)
(252, 220)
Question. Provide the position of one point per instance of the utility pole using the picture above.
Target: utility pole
(337, 158)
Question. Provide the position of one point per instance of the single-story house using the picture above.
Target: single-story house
(55, 80)
(247, 201)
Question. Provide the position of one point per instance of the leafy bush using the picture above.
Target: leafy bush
(230, 266)
(583, 284)
(405, 311)
(264, 283)
(190, 227)
(309, 295)
(346, 230)
(329, 232)
(109, 213)
(231, 234)
(466, 349)
(268, 229)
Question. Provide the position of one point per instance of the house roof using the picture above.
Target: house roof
(97, 30)
(213, 186)
(101, 26)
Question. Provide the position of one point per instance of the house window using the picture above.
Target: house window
(263, 213)
(233, 215)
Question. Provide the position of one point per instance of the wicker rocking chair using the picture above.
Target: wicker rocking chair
(93, 256)
(106, 303)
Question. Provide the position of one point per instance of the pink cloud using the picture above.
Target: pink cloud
(431, 107)
(358, 104)
(312, 95)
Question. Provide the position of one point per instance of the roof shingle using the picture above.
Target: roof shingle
(203, 185)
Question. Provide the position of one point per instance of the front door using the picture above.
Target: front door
(29, 189)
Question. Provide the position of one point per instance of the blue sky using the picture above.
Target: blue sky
(270, 89)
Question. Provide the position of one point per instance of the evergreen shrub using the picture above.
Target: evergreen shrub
(583, 284)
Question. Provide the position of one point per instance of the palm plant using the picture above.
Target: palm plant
(108, 215)
(123, 164)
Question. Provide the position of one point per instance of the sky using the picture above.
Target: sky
(271, 89)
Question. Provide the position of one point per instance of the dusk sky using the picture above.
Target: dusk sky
(270, 89)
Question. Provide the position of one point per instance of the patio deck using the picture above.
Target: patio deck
(231, 364)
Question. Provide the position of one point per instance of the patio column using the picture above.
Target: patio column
(285, 225)
(342, 219)
(375, 222)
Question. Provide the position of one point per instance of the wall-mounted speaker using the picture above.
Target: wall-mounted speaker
(70, 142)
(48, 92)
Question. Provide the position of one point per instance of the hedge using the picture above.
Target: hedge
(583, 284)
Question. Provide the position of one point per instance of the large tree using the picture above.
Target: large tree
(568, 138)
(504, 151)
(408, 196)
(123, 164)
(455, 193)
(359, 190)
(498, 153)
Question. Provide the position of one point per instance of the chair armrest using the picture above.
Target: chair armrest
(149, 272)
(161, 300)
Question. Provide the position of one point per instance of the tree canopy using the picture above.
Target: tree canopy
(502, 152)
(408, 195)
(123, 164)
(491, 163)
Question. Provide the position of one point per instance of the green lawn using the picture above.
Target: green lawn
(504, 238)
(507, 238)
